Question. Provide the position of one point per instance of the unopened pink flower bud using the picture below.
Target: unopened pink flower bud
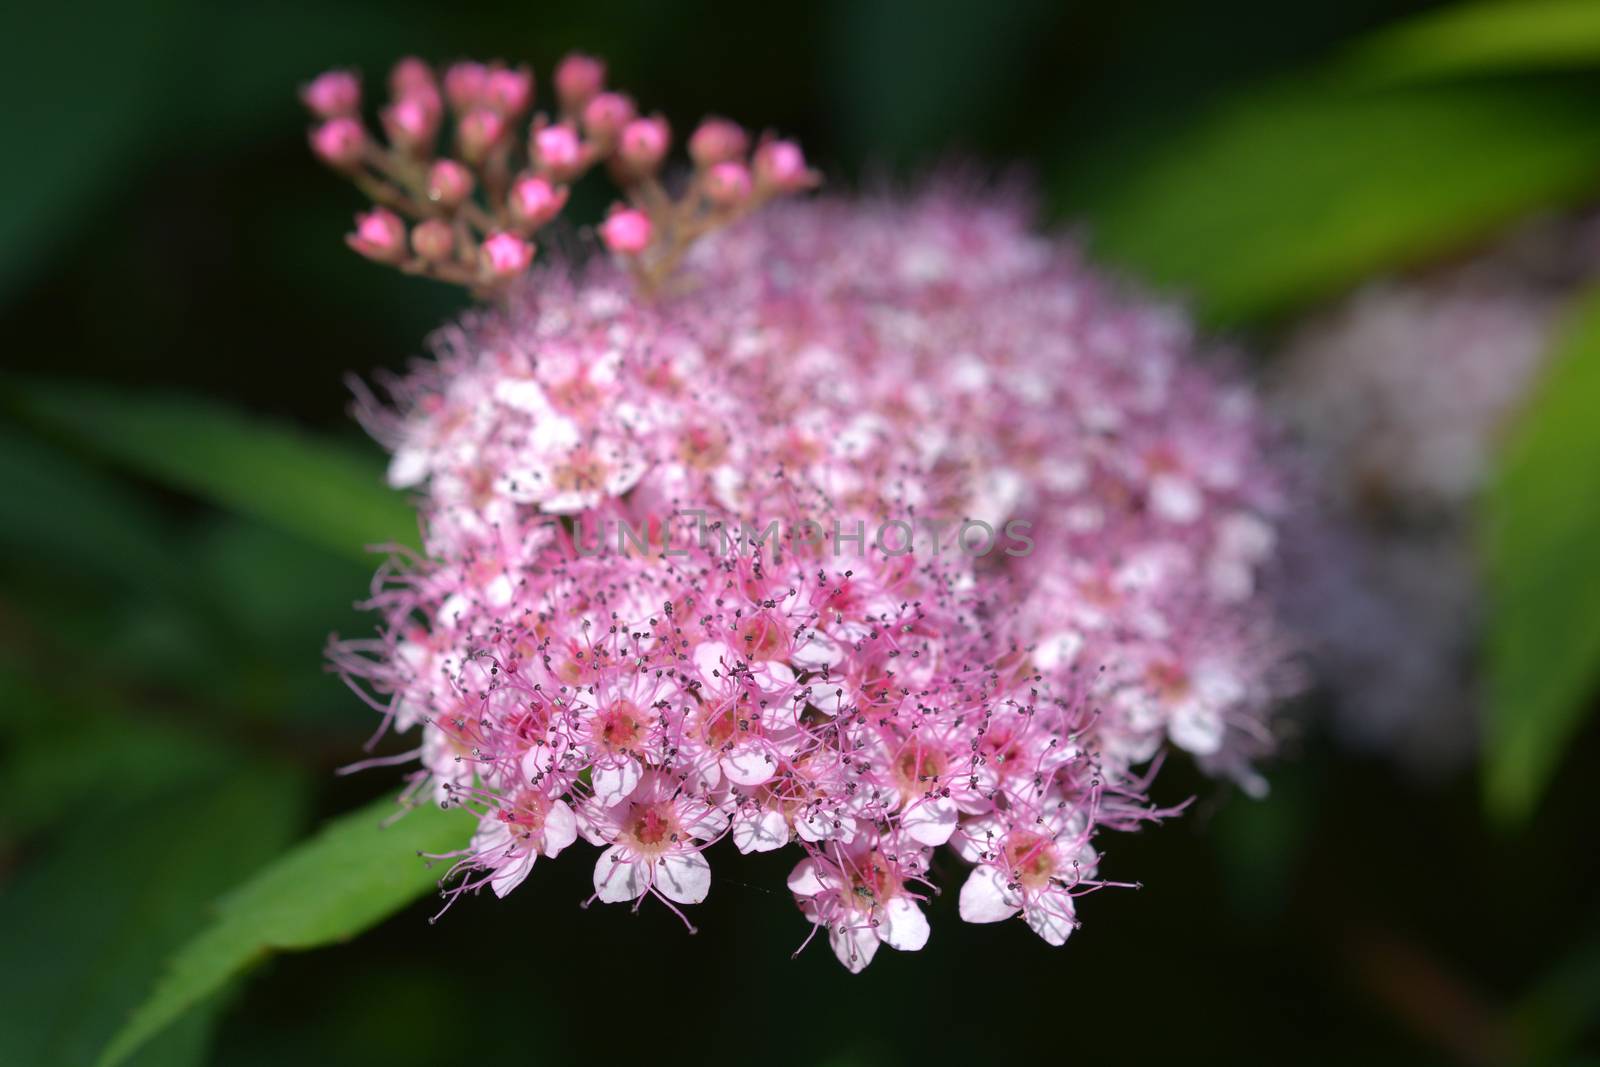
(449, 183)
(780, 165)
(339, 142)
(466, 85)
(379, 235)
(627, 231)
(505, 255)
(577, 79)
(333, 93)
(557, 151)
(412, 123)
(644, 145)
(411, 75)
(728, 184)
(509, 92)
(433, 240)
(606, 115)
(479, 131)
(534, 201)
(717, 140)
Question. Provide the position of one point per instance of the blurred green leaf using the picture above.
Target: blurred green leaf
(62, 747)
(282, 597)
(1481, 38)
(349, 877)
(1296, 191)
(57, 512)
(318, 490)
(87, 926)
(1563, 1009)
(1542, 541)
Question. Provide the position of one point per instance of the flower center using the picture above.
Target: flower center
(651, 828)
(1031, 858)
(621, 727)
(919, 768)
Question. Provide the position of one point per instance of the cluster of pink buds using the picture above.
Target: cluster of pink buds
(470, 217)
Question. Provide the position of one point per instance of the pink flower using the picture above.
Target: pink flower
(1028, 862)
(717, 141)
(896, 530)
(412, 123)
(449, 183)
(433, 240)
(654, 838)
(466, 85)
(333, 94)
(859, 894)
(339, 142)
(509, 91)
(534, 201)
(606, 115)
(578, 78)
(728, 184)
(379, 235)
(627, 232)
(506, 255)
(557, 151)
(643, 145)
(516, 833)
(781, 165)
(410, 75)
(478, 132)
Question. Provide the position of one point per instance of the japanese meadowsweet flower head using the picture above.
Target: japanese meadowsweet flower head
(885, 527)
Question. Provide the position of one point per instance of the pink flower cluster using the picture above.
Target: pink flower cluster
(474, 215)
(797, 681)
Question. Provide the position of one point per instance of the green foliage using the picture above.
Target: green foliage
(315, 489)
(1542, 537)
(349, 877)
(115, 888)
(1492, 37)
(60, 514)
(1300, 189)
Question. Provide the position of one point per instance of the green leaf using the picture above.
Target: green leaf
(1298, 190)
(1542, 541)
(63, 745)
(58, 512)
(349, 877)
(315, 489)
(1491, 37)
(87, 925)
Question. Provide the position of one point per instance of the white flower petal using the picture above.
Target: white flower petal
(985, 897)
(614, 780)
(749, 763)
(760, 831)
(512, 874)
(683, 877)
(1196, 727)
(806, 879)
(903, 925)
(617, 879)
(409, 466)
(854, 944)
(560, 828)
(930, 822)
(1051, 915)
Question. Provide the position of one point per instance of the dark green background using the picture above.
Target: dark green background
(168, 725)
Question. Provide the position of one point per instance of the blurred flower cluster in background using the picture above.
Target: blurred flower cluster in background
(1384, 207)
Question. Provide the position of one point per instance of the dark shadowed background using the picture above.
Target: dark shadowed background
(167, 725)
